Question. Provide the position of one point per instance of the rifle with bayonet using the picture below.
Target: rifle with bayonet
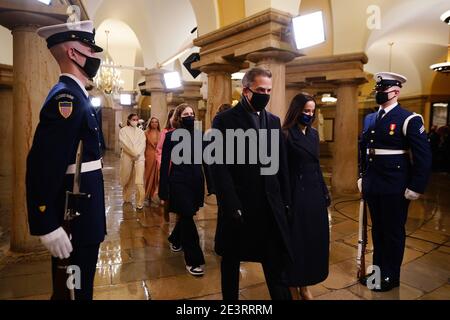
(362, 239)
(63, 290)
(362, 231)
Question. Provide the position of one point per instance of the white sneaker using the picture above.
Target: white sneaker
(195, 270)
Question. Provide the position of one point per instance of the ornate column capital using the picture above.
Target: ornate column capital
(154, 80)
(192, 90)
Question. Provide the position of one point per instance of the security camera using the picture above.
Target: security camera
(446, 17)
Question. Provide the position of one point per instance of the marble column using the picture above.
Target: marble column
(174, 99)
(275, 61)
(35, 72)
(191, 94)
(345, 153)
(6, 156)
(219, 89)
(154, 79)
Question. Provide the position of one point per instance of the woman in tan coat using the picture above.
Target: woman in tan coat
(132, 160)
(151, 177)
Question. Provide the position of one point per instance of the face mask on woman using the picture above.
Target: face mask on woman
(134, 124)
(188, 122)
(306, 119)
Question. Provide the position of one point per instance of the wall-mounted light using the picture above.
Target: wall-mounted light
(309, 30)
(47, 2)
(327, 98)
(443, 67)
(96, 102)
(125, 99)
(172, 80)
(446, 17)
(238, 76)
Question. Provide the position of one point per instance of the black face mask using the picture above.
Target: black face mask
(259, 100)
(383, 97)
(188, 122)
(91, 66)
(306, 119)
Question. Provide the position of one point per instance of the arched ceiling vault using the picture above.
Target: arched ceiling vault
(420, 38)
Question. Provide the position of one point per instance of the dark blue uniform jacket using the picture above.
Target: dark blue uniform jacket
(392, 174)
(66, 118)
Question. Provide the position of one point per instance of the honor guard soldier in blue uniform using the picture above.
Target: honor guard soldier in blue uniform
(395, 164)
(67, 118)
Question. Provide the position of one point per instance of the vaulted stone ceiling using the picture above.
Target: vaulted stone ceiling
(161, 27)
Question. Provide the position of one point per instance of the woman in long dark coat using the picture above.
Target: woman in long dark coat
(183, 186)
(310, 199)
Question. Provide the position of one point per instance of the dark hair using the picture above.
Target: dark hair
(149, 124)
(169, 116)
(131, 116)
(224, 107)
(296, 109)
(252, 74)
(177, 122)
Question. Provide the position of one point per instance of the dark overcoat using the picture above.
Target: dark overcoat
(262, 199)
(310, 199)
(182, 184)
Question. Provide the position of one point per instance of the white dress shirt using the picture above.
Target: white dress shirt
(387, 109)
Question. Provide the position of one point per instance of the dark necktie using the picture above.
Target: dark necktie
(380, 115)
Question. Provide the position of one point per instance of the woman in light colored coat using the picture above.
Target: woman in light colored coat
(132, 161)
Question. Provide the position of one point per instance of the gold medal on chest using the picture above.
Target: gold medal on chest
(392, 128)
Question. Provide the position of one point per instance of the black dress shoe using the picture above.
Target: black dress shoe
(364, 279)
(387, 284)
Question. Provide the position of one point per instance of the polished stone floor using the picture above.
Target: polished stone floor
(135, 261)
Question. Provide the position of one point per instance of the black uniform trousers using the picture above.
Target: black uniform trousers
(388, 214)
(185, 234)
(273, 267)
(85, 257)
(229, 268)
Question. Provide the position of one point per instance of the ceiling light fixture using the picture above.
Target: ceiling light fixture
(327, 98)
(443, 67)
(47, 2)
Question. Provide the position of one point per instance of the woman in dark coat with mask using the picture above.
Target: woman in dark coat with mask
(310, 199)
(183, 186)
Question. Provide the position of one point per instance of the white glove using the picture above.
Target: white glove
(360, 185)
(411, 195)
(58, 243)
